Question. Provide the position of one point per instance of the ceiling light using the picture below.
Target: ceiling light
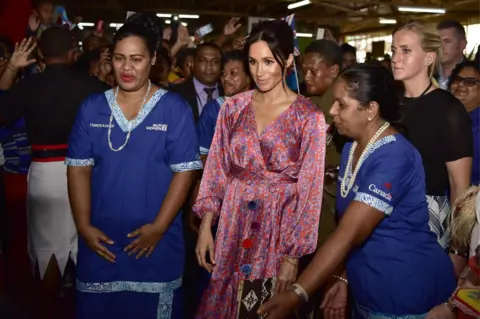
(116, 25)
(164, 15)
(188, 16)
(168, 21)
(86, 24)
(175, 18)
(184, 24)
(298, 4)
(304, 35)
(421, 10)
(387, 21)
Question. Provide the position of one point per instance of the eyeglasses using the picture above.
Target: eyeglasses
(468, 81)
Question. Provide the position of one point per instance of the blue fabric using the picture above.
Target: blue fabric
(400, 270)
(475, 116)
(128, 188)
(16, 148)
(207, 122)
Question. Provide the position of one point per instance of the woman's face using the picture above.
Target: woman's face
(234, 79)
(466, 87)
(131, 61)
(347, 114)
(408, 57)
(265, 70)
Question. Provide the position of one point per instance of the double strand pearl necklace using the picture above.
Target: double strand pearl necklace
(344, 187)
(131, 124)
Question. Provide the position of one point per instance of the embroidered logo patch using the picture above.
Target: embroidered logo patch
(157, 127)
(373, 188)
(100, 125)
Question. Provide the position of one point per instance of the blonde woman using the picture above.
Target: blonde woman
(437, 123)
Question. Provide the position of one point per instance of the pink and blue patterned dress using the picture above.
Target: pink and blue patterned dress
(266, 191)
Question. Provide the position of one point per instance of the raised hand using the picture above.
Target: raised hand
(231, 26)
(20, 57)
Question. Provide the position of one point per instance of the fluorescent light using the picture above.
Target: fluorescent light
(86, 24)
(184, 24)
(168, 21)
(298, 4)
(164, 15)
(387, 21)
(421, 10)
(80, 27)
(80, 43)
(188, 16)
(116, 25)
(304, 35)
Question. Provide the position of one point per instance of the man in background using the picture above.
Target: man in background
(454, 41)
(349, 56)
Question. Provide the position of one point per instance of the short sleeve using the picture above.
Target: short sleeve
(80, 143)
(385, 183)
(182, 141)
(457, 137)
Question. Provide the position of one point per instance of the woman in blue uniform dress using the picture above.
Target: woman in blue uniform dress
(393, 264)
(131, 161)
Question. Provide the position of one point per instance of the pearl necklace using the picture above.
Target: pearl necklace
(131, 124)
(344, 187)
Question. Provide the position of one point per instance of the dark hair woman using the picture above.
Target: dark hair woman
(262, 180)
(131, 160)
(394, 266)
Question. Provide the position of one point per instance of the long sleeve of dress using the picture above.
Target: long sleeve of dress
(299, 228)
(215, 175)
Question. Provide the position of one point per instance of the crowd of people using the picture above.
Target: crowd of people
(166, 176)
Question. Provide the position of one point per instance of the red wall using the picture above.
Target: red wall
(14, 18)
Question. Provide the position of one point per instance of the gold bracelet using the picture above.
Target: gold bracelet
(291, 261)
(300, 292)
(340, 278)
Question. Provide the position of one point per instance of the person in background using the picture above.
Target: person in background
(93, 42)
(321, 65)
(262, 182)
(48, 102)
(387, 62)
(454, 41)
(16, 148)
(235, 79)
(465, 86)
(131, 160)
(41, 18)
(383, 216)
(160, 71)
(349, 56)
(183, 66)
(204, 85)
(198, 90)
(6, 50)
(437, 124)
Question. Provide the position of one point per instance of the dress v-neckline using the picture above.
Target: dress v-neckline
(129, 125)
(267, 128)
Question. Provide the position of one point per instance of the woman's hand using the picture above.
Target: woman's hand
(148, 237)
(442, 311)
(280, 305)
(96, 239)
(205, 245)
(287, 274)
(334, 304)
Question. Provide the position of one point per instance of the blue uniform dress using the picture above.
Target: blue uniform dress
(206, 124)
(400, 271)
(127, 191)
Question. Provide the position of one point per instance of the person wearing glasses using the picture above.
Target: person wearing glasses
(465, 85)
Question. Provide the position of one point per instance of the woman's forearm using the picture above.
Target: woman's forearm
(8, 78)
(79, 193)
(176, 196)
(326, 261)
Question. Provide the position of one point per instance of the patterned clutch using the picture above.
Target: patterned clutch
(251, 295)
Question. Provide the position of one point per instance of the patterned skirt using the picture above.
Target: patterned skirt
(439, 211)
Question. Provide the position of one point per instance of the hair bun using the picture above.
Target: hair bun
(149, 21)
